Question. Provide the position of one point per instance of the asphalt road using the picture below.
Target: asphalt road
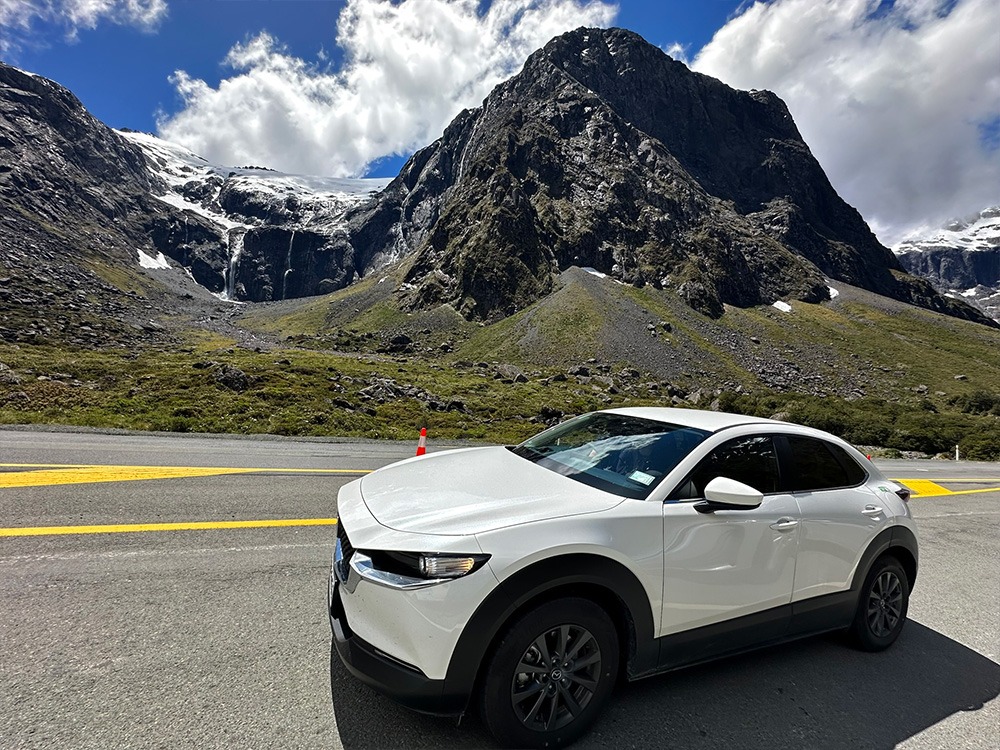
(218, 637)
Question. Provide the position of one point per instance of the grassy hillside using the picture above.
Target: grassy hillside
(355, 364)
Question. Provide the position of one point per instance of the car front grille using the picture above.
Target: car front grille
(346, 552)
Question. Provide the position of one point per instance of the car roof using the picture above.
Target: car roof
(710, 421)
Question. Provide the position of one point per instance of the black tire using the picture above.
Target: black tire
(528, 698)
(882, 606)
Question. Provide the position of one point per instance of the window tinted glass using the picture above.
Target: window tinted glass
(814, 467)
(615, 453)
(751, 460)
(855, 473)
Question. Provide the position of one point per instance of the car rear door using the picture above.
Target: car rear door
(840, 515)
(728, 564)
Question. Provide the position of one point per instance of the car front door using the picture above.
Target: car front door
(727, 564)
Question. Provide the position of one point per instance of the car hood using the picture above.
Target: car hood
(474, 490)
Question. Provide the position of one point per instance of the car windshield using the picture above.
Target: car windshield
(627, 456)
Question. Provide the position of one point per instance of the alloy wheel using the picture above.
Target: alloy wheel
(885, 603)
(556, 678)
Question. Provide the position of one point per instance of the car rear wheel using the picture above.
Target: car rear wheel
(882, 606)
(551, 674)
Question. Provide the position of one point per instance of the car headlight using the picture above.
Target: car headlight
(412, 570)
(449, 566)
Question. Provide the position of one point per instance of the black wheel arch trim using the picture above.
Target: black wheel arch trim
(895, 537)
(517, 591)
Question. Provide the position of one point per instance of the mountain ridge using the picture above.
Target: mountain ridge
(598, 153)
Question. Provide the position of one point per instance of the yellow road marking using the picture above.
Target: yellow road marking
(927, 488)
(184, 526)
(962, 480)
(92, 474)
(45, 475)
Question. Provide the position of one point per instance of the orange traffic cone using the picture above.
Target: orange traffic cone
(422, 445)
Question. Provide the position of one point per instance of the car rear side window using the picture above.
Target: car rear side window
(818, 465)
(750, 460)
(855, 473)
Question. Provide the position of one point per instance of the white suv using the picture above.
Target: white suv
(619, 544)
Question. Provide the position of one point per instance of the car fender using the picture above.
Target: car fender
(518, 590)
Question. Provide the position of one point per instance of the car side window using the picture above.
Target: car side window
(750, 460)
(815, 466)
(855, 473)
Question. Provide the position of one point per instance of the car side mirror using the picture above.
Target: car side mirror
(723, 493)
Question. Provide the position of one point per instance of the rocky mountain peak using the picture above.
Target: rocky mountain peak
(604, 152)
(45, 132)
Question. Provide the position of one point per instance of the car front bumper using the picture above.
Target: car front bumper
(402, 682)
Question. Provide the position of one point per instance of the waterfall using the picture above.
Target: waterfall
(235, 250)
(465, 152)
(288, 267)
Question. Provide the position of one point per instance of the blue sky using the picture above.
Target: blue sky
(898, 99)
(121, 72)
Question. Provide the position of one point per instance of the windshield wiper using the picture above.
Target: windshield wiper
(526, 451)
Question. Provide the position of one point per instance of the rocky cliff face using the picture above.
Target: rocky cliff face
(250, 233)
(604, 152)
(963, 258)
(78, 200)
(74, 202)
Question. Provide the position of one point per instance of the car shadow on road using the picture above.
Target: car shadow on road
(812, 693)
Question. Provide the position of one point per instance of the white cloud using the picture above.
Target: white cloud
(19, 17)
(409, 68)
(678, 51)
(898, 101)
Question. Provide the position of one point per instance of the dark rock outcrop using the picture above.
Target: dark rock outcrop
(604, 152)
(280, 263)
(194, 243)
(955, 268)
(74, 208)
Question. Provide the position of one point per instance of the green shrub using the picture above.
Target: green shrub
(977, 402)
(982, 446)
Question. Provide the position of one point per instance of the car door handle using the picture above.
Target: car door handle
(872, 510)
(785, 524)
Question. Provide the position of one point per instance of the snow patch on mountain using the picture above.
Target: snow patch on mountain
(961, 259)
(977, 232)
(240, 199)
(320, 199)
(216, 217)
(148, 261)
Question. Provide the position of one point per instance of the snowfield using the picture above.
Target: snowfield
(291, 201)
(179, 168)
(981, 232)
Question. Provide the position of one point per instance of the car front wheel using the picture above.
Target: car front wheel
(551, 674)
(882, 607)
